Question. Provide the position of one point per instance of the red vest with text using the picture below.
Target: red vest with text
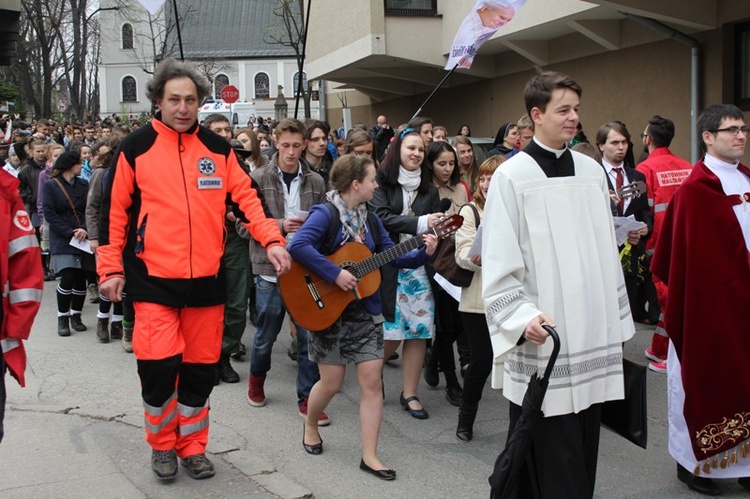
(664, 173)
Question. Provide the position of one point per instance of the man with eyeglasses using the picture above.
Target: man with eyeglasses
(664, 173)
(703, 256)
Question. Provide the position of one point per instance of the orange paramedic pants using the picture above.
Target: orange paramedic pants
(177, 351)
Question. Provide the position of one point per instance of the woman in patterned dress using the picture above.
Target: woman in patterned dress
(407, 202)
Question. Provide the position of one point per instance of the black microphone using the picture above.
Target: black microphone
(445, 205)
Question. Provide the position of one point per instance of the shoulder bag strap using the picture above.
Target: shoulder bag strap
(70, 201)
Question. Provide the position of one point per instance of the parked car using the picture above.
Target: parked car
(481, 145)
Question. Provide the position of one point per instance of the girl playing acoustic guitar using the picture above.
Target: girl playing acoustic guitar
(357, 336)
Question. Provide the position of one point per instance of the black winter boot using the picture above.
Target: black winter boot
(102, 330)
(430, 368)
(453, 391)
(115, 330)
(466, 416)
(75, 323)
(226, 373)
(63, 329)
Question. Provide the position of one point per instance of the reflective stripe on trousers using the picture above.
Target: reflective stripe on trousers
(161, 423)
(192, 419)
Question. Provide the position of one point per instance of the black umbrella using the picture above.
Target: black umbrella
(511, 460)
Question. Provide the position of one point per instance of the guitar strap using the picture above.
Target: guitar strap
(334, 227)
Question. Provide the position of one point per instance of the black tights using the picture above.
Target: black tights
(448, 330)
(105, 305)
(480, 363)
(71, 291)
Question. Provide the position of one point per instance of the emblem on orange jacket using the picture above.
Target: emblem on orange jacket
(206, 166)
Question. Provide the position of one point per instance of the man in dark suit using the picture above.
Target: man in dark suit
(612, 140)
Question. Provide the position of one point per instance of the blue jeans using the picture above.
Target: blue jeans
(271, 313)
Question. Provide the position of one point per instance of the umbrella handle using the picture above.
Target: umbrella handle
(555, 350)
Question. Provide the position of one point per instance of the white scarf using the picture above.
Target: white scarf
(408, 179)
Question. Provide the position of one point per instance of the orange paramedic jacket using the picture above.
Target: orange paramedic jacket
(162, 215)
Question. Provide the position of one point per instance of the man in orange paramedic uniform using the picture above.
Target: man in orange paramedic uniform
(161, 239)
(664, 174)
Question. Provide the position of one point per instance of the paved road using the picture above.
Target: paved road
(75, 431)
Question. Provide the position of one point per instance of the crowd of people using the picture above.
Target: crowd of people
(544, 201)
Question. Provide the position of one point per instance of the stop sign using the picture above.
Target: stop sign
(230, 94)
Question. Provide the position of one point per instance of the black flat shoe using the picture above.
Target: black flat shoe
(314, 449)
(382, 474)
(415, 413)
(704, 486)
(744, 483)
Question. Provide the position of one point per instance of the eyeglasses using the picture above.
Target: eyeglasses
(734, 130)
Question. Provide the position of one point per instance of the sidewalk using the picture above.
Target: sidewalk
(76, 431)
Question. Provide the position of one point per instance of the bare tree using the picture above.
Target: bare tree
(158, 41)
(75, 40)
(57, 53)
(39, 52)
(289, 31)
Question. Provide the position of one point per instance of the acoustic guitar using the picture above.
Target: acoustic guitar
(315, 304)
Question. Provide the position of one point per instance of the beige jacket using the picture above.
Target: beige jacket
(471, 297)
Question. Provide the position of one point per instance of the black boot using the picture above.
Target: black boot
(102, 330)
(430, 369)
(63, 329)
(115, 330)
(48, 274)
(75, 323)
(453, 391)
(466, 416)
(226, 373)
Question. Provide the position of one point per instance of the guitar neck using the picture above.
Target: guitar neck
(380, 259)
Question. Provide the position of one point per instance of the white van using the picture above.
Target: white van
(238, 114)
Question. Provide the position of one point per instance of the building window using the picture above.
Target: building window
(220, 82)
(262, 86)
(411, 8)
(129, 89)
(742, 65)
(295, 82)
(127, 36)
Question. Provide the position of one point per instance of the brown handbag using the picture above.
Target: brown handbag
(445, 264)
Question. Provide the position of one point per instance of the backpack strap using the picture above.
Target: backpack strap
(334, 227)
(374, 222)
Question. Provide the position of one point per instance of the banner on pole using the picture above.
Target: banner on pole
(152, 6)
(485, 18)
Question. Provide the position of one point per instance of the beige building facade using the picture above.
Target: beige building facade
(633, 58)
